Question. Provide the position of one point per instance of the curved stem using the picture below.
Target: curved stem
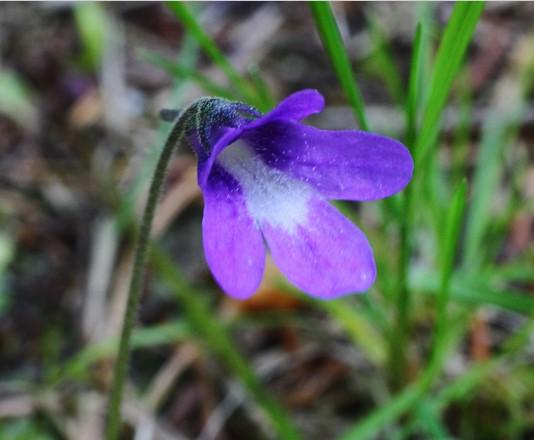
(136, 282)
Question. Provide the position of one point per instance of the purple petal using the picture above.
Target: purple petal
(297, 106)
(207, 160)
(233, 244)
(326, 256)
(349, 165)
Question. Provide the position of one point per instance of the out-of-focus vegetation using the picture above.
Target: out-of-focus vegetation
(441, 347)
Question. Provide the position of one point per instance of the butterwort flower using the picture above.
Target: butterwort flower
(266, 181)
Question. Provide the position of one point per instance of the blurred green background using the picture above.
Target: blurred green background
(441, 346)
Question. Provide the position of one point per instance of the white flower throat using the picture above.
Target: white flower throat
(271, 196)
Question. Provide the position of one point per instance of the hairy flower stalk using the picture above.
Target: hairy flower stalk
(193, 119)
(266, 182)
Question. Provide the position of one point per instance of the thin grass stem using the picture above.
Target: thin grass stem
(333, 43)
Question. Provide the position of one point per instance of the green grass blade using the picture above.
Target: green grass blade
(414, 91)
(374, 423)
(475, 292)
(486, 181)
(189, 21)
(426, 423)
(125, 213)
(16, 99)
(424, 13)
(460, 148)
(333, 43)
(463, 385)
(397, 357)
(512, 272)
(358, 320)
(358, 328)
(262, 88)
(398, 338)
(449, 244)
(180, 71)
(142, 337)
(217, 339)
(388, 413)
(449, 247)
(383, 63)
(458, 34)
(94, 28)
(499, 129)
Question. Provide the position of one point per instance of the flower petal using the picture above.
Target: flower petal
(271, 196)
(327, 256)
(297, 106)
(233, 244)
(206, 160)
(348, 165)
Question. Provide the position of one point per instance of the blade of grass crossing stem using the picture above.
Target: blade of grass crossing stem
(78, 366)
(189, 21)
(458, 34)
(333, 43)
(215, 336)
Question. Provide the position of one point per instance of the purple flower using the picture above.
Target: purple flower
(266, 182)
